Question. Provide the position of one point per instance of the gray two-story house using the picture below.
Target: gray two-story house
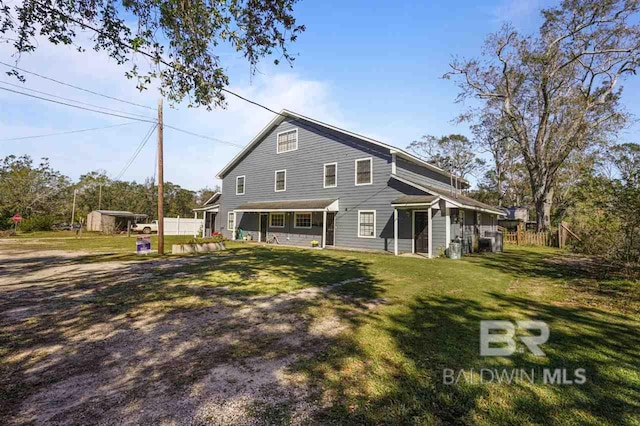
(300, 180)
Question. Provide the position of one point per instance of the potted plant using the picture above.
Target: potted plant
(315, 243)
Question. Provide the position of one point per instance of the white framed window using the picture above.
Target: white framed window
(240, 181)
(330, 175)
(231, 221)
(364, 171)
(280, 181)
(366, 223)
(302, 220)
(276, 220)
(287, 141)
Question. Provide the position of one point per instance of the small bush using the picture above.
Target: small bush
(36, 223)
(215, 238)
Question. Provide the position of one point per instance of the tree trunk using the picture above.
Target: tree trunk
(543, 199)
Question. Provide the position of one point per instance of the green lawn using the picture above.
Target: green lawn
(411, 318)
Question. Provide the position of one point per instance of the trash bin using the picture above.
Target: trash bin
(455, 249)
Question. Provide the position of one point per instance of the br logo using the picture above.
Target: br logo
(506, 339)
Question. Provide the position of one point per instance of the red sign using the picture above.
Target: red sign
(16, 218)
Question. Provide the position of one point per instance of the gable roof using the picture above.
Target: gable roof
(284, 114)
(212, 199)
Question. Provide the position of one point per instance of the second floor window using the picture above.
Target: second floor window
(281, 180)
(331, 175)
(287, 141)
(240, 185)
(364, 172)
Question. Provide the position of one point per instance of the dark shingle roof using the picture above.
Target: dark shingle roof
(466, 201)
(287, 205)
(415, 199)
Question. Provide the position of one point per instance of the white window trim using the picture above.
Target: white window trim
(232, 229)
(278, 137)
(374, 224)
(370, 159)
(324, 175)
(244, 184)
(295, 219)
(275, 180)
(284, 220)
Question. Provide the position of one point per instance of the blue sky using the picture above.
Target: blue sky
(372, 67)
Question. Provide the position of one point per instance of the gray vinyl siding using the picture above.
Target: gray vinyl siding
(439, 231)
(316, 147)
(422, 174)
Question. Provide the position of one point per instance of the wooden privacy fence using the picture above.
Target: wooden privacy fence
(529, 238)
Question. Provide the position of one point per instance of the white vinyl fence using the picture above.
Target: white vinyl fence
(183, 226)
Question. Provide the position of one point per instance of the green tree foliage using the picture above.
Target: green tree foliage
(181, 39)
(30, 189)
(605, 208)
(44, 196)
(559, 90)
(453, 153)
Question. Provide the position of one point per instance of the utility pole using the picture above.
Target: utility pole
(160, 183)
(73, 209)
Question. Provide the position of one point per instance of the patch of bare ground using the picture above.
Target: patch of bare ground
(121, 343)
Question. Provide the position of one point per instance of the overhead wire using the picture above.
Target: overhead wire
(136, 152)
(64, 133)
(75, 87)
(73, 100)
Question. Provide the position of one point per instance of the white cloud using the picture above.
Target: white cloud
(189, 161)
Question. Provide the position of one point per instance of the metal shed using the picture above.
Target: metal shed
(111, 221)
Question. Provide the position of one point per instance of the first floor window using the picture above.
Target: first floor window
(363, 171)
(281, 180)
(303, 220)
(231, 221)
(330, 175)
(367, 223)
(277, 220)
(240, 185)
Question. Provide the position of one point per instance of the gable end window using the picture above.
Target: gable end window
(302, 220)
(366, 223)
(364, 171)
(240, 185)
(280, 181)
(330, 175)
(287, 141)
(276, 220)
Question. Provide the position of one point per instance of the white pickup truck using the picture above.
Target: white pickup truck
(145, 228)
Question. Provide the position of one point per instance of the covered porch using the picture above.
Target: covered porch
(420, 209)
(295, 222)
(209, 214)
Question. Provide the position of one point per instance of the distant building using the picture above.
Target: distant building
(514, 216)
(111, 221)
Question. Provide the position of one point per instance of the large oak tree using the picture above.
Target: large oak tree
(178, 42)
(559, 90)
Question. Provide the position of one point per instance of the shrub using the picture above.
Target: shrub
(215, 238)
(37, 223)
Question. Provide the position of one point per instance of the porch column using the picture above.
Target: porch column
(324, 228)
(395, 232)
(204, 222)
(430, 227)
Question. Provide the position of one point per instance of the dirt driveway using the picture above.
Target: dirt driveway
(124, 342)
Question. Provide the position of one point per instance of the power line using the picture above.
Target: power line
(73, 100)
(204, 136)
(75, 87)
(64, 133)
(137, 151)
(77, 106)
(149, 55)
